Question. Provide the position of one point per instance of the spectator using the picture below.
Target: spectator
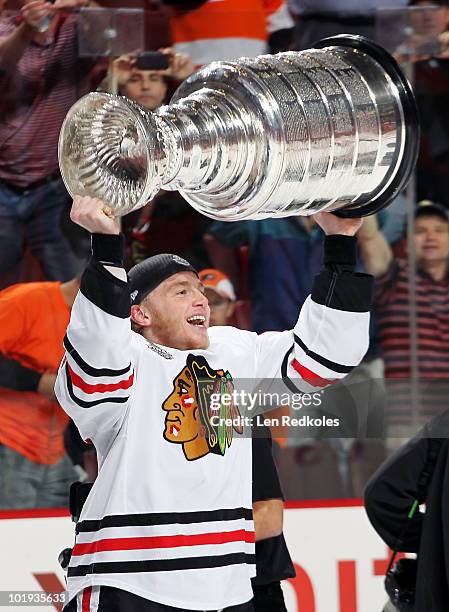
(273, 562)
(431, 242)
(175, 226)
(284, 256)
(431, 86)
(220, 295)
(434, 22)
(229, 29)
(429, 27)
(147, 87)
(150, 87)
(41, 78)
(34, 470)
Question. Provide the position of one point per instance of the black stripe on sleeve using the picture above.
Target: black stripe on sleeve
(161, 565)
(165, 518)
(349, 292)
(88, 369)
(288, 381)
(83, 404)
(105, 290)
(331, 365)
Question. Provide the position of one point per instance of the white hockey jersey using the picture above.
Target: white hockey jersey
(169, 515)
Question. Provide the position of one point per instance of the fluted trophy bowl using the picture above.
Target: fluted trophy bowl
(331, 128)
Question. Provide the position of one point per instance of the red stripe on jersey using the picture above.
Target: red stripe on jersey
(172, 541)
(87, 593)
(99, 387)
(311, 377)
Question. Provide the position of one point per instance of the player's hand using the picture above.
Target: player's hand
(35, 12)
(331, 224)
(94, 215)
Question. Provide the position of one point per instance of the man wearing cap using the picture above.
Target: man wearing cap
(168, 523)
(220, 294)
(431, 241)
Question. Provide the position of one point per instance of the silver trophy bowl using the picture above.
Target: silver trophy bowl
(332, 128)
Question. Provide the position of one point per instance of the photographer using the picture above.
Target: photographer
(415, 474)
(41, 78)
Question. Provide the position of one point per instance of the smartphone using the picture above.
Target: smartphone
(152, 60)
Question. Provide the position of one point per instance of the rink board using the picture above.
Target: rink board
(339, 559)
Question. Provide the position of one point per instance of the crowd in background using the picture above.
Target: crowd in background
(258, 272)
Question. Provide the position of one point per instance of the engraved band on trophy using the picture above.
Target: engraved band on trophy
(332, 128)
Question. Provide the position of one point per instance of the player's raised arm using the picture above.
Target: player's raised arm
(95, 379)
(331, 335)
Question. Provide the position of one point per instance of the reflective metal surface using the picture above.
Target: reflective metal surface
(295, 133)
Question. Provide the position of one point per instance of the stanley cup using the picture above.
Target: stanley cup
(332, 128)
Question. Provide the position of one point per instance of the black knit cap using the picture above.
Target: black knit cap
(148, 274)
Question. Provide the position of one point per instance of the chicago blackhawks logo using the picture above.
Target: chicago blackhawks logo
(192, 418)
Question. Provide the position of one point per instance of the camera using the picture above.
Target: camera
(400, 584)
(152, 60)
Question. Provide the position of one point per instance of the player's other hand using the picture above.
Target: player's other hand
(94, 215)
(331, 224)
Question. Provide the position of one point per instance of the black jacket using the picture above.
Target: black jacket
(418, 470)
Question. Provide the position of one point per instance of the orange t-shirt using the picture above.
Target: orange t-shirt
(33, 321)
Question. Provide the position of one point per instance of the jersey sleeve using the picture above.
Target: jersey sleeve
(331, 335)
(96, 377)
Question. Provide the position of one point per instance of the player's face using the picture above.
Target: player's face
(146, 87)
(182, 422)
(179, 313)
(431, 239)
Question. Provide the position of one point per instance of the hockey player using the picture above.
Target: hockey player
(168, 523)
